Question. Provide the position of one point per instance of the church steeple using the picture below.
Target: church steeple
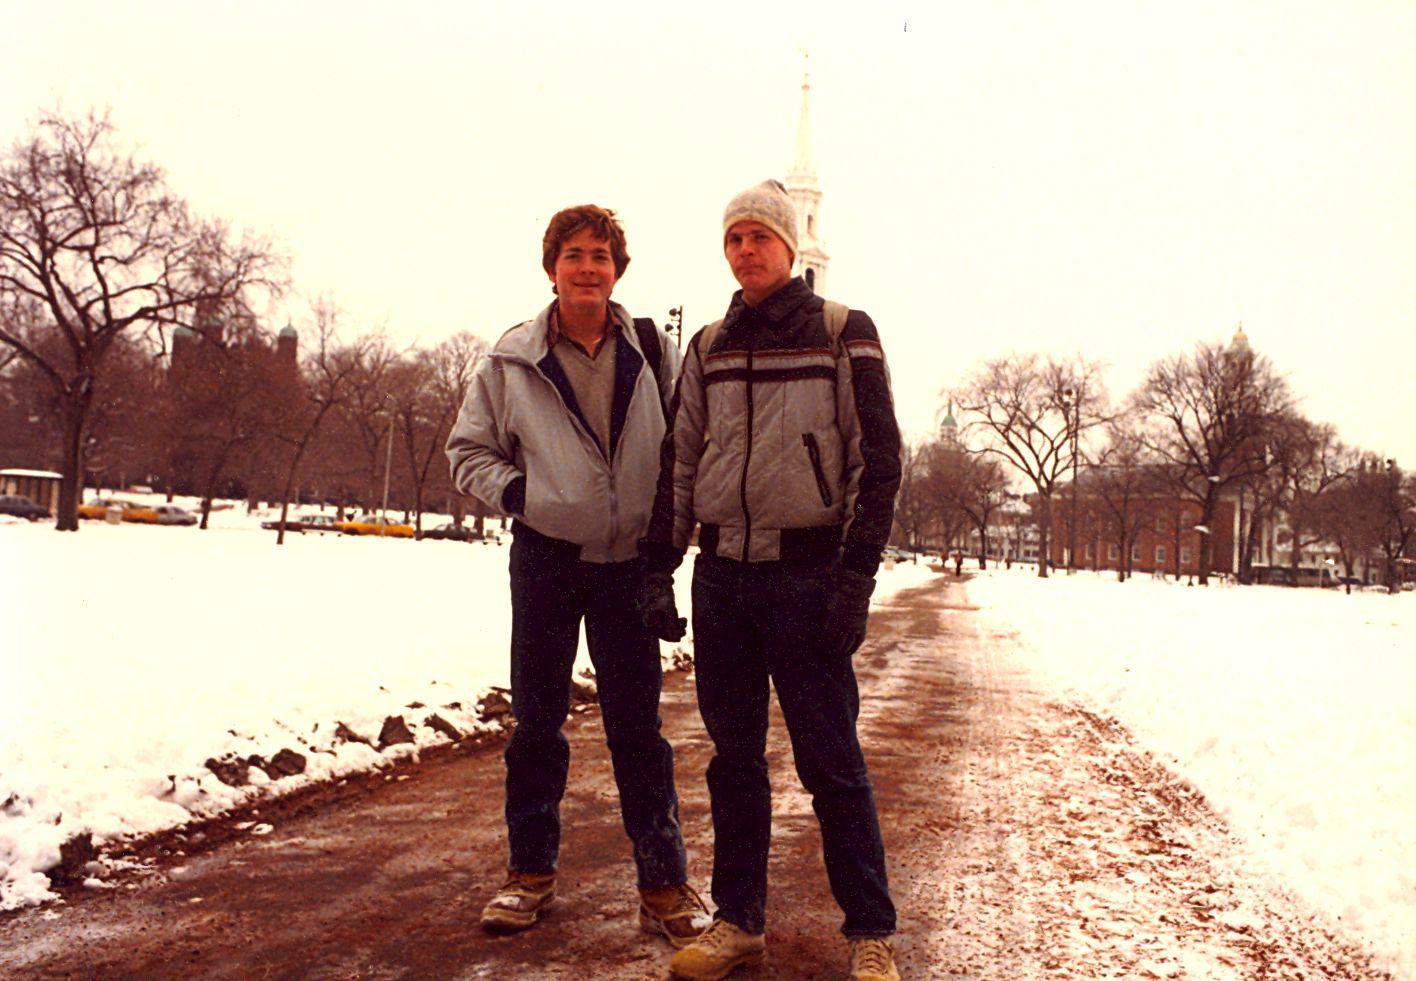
(805, 191)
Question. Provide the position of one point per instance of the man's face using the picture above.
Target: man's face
(584, 272)
(760, 261)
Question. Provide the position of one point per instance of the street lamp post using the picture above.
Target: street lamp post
(675, 324)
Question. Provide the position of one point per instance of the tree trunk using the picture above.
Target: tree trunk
(1206, 539)
(1044, 557)
(71, 484)
(983, 546)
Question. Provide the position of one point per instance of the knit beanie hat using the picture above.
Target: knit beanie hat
(768, 203)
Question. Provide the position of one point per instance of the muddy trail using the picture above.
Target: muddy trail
(1026, 839)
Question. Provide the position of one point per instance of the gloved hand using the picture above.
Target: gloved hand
(847, 608)
(657, 608)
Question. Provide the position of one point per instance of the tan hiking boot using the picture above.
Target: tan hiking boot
(677, 912)
(522, 900)
(718, 951)
(873, 960)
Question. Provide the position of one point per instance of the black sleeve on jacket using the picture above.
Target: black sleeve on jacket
(657, 546)
(879, 447)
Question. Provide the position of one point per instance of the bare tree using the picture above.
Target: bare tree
(454, 361)
(913, 508)
(1021, 405)
(984, 491)
(225, 394)
(93, 242)
(325, 384)
(1306, 461)
(1123, 486)
(1210, 409)
(367, 413)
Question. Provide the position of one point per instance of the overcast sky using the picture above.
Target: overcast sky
(1119, 179)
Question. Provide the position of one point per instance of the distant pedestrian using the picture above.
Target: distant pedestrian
(561, 428)
(958, 562)
(784, 452)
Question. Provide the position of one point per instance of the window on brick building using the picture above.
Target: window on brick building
(1185, 555)
(1135, 553)
(1113, 553)
(1162, 524)
(1159, 554)
(1088, 551)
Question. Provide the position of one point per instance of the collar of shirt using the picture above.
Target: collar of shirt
(554, 333)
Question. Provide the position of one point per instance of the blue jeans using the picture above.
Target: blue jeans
(755, 622)
(551, 591)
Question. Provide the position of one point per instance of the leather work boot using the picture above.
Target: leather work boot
(873, 960)
(522, 900)
(718, 951)
(677, 912)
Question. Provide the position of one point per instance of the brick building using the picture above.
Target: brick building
(1165, 538)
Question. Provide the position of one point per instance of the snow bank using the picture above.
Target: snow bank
(134, 654)
(1292, 710)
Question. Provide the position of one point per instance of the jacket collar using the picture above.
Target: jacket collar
(772, 310)
(532, 340)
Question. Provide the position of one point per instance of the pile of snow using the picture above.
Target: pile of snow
(133, 654)
(1292, 710)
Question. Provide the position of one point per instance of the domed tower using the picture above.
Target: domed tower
(287, 345)
(949, 429)
(1240, 341)
(805, 191)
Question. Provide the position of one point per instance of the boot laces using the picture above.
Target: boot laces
(871, 955)
(717, 936)
(687, 900)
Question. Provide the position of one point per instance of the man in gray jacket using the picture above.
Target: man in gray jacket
(561, 429)
(785, 454)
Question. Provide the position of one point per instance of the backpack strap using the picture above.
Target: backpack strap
(835, 315)
(654, 354)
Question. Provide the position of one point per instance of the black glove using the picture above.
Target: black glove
(657, 608)
(847, 609)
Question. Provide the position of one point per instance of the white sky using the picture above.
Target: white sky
(1119, 179)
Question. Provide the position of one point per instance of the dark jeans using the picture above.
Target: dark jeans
(758, 621)
(551, 591)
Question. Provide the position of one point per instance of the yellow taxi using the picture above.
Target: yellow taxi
(99, 507)
(372, 524)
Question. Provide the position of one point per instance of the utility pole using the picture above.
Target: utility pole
(388, 469)
(1072, 404)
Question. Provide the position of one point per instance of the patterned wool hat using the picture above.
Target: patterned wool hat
(768, 203)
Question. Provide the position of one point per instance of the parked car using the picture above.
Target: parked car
(141, 513)
(374, 525)
(458, 533)
(898, 554)
(99, 507)
(22, 507)
(171, 514)
(309, 522)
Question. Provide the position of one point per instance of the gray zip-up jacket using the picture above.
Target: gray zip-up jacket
(520, 419)
(784, 445)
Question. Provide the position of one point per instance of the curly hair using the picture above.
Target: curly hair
(568, 221)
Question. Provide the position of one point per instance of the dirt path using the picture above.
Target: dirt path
(1026, 840)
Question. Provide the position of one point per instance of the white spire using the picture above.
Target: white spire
(805, 192)
(803, 170)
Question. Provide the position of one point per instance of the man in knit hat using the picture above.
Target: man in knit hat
(793, 497)
(561, 428)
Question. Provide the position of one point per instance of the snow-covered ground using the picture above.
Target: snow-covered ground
(132, 654)
(1292, 710)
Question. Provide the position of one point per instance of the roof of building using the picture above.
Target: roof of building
(18, 472)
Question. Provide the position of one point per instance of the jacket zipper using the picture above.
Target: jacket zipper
(814, 451)
(747, 453)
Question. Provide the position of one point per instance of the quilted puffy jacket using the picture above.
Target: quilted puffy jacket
(782, 443)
